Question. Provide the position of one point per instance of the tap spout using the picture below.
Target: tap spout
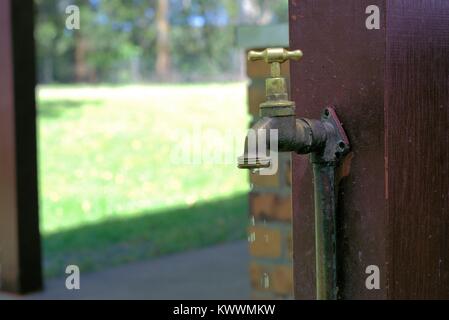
(286, 134)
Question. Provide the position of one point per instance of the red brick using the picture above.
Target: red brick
(257, 274)
(265, 242)
(271, 206)
(289, 245)
(256, 95)
(283, 279)
(277, 279)
(265, 181)
(257, 295)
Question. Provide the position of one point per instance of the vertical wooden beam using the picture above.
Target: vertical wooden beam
(20, 251)
(343, 65)
(417, 153)
(391, 91)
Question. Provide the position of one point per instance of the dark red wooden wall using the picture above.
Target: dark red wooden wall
(390, 88)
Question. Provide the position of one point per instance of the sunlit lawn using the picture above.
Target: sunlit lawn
(118, 155)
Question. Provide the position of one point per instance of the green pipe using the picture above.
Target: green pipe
(325, 230)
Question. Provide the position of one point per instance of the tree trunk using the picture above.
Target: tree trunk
(81, 68)
(163, 63)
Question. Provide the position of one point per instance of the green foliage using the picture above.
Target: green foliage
(120, 38)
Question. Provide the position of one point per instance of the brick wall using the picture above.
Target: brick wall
(270, 232)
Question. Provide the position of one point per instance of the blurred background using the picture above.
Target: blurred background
(142, 113)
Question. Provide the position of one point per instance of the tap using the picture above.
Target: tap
(326, 142)
(277, 114)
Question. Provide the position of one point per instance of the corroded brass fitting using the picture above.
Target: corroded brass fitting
(277, 103)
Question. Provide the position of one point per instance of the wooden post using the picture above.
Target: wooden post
(20, 252)
(390, 88)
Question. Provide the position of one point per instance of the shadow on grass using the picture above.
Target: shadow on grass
(57, 108)
(122, 240)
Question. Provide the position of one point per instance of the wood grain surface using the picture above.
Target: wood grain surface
(390, 88)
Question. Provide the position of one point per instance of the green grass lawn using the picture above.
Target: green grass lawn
(123, 173)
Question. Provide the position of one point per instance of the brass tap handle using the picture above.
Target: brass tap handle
(275, 56)
(271, 55)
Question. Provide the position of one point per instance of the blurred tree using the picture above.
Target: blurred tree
(46, 30)
(53, 49)
(144, 40)
(163, 64)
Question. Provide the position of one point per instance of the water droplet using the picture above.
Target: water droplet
(266, 281)
(252, 237)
